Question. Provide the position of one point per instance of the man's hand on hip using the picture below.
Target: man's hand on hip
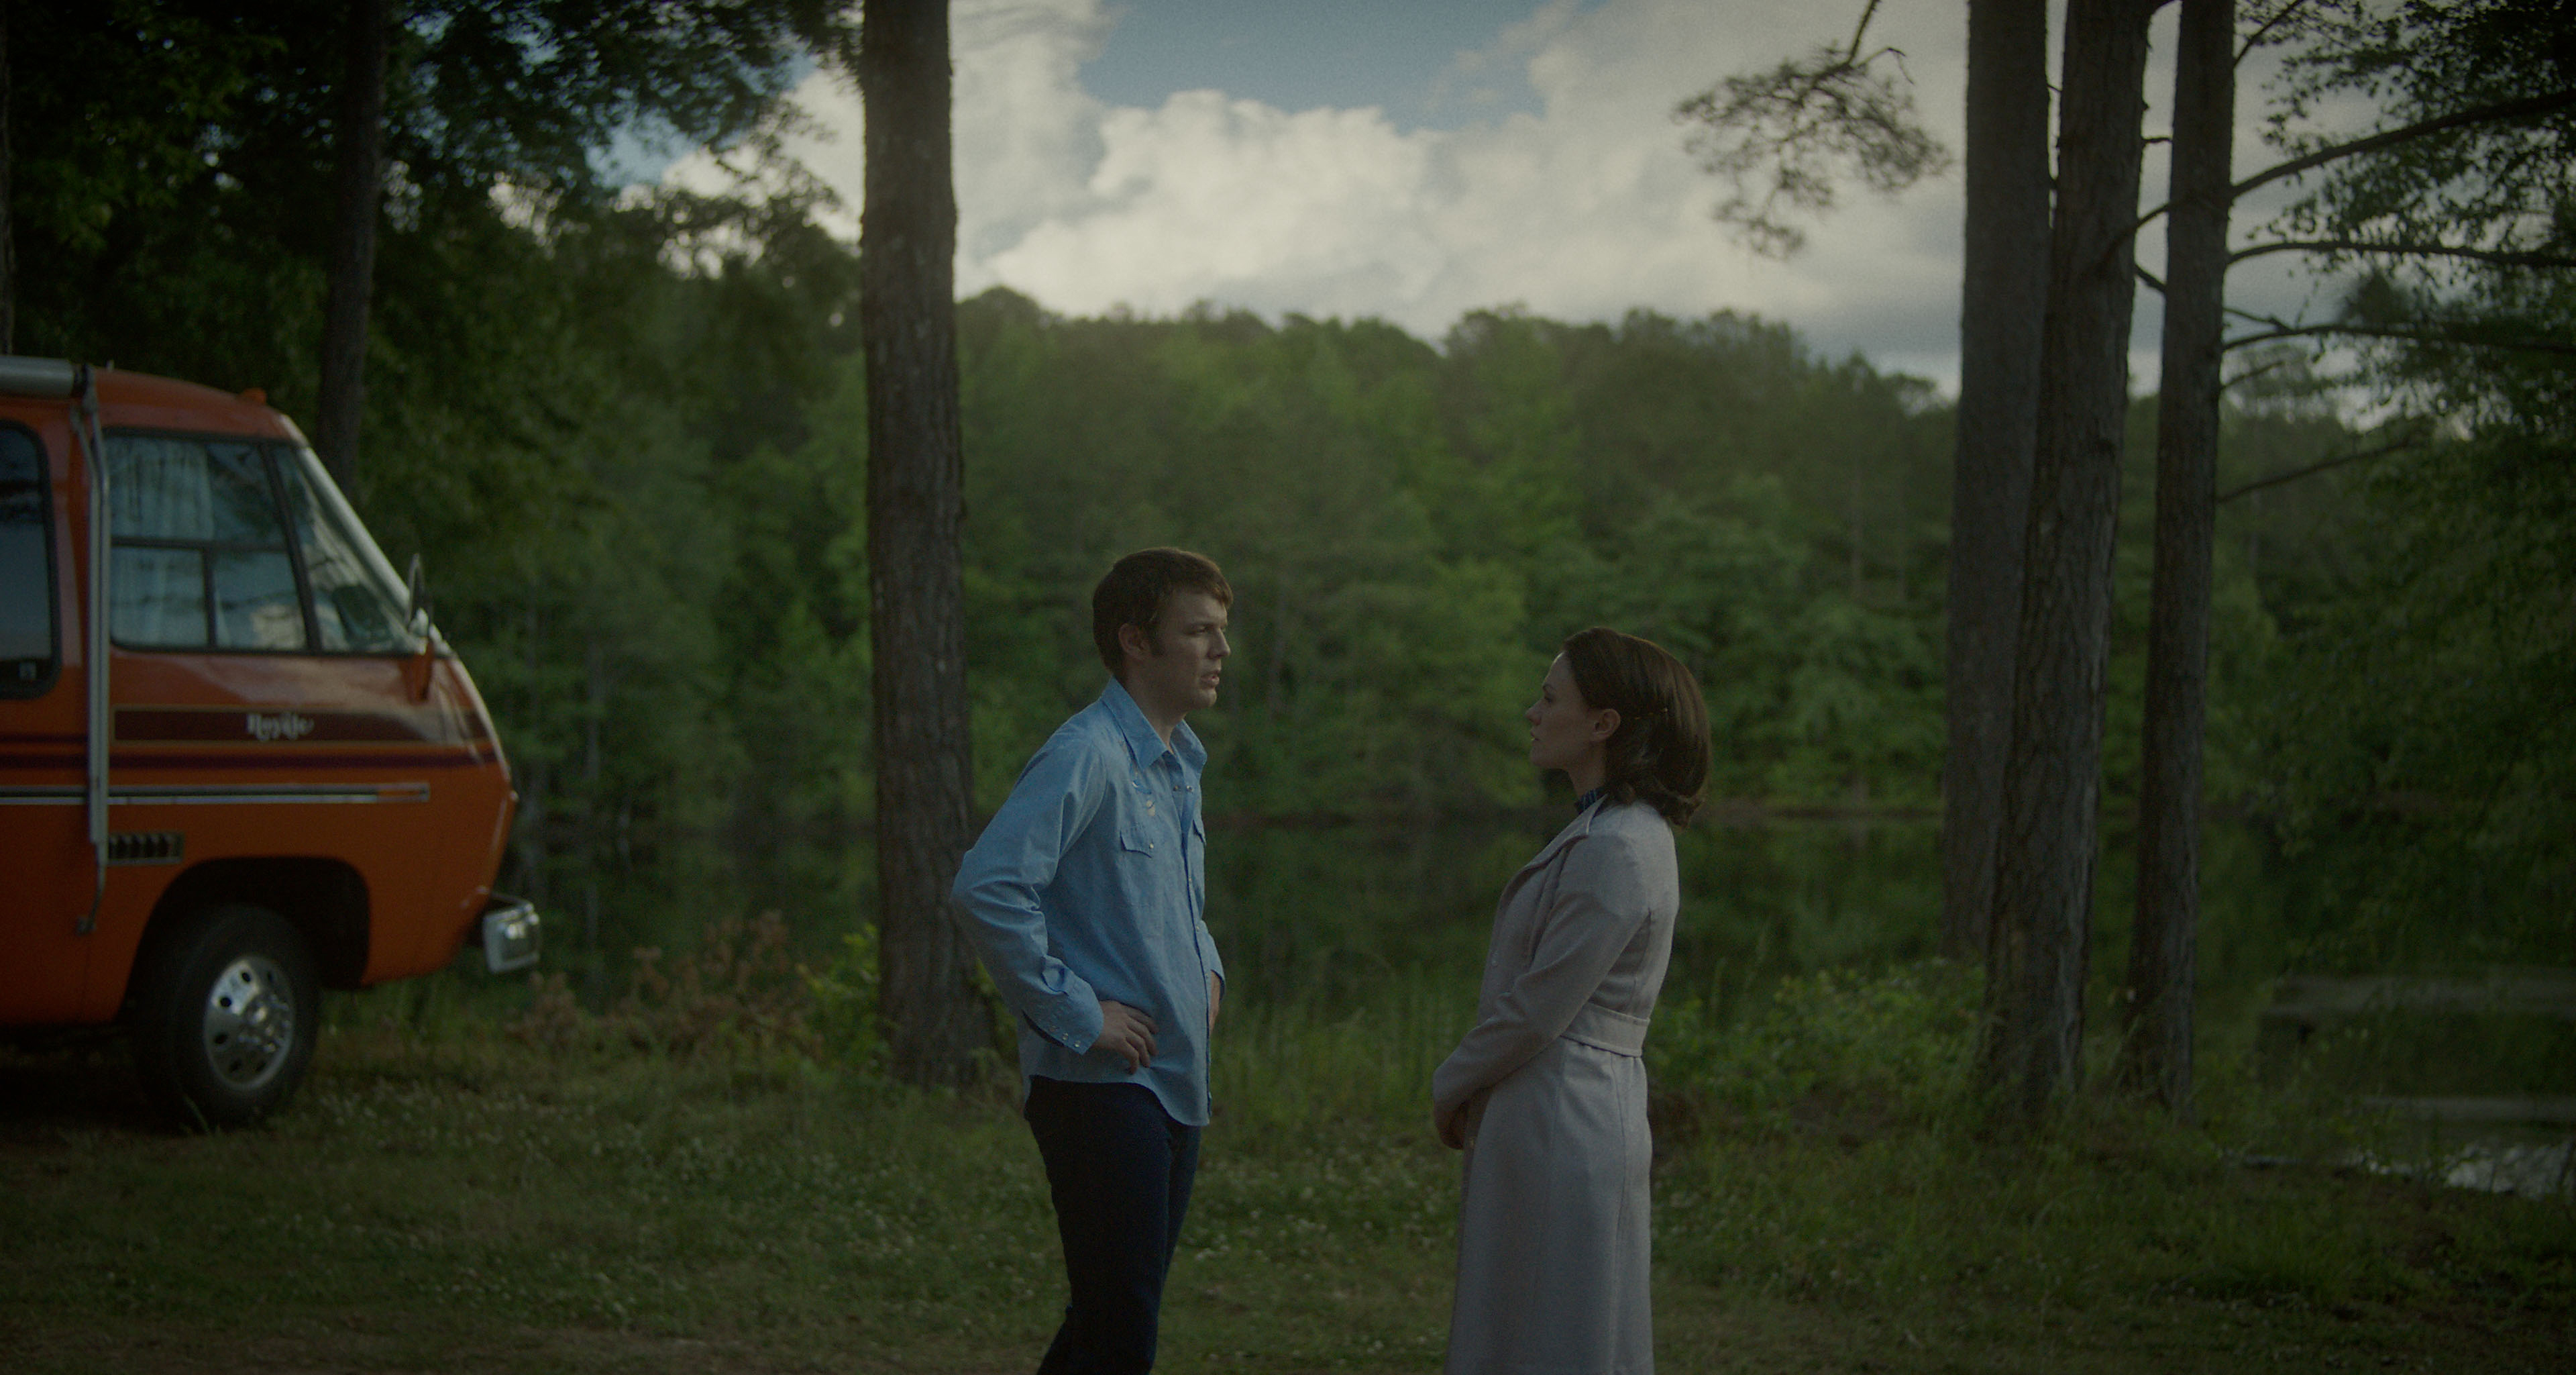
(1127, 1032)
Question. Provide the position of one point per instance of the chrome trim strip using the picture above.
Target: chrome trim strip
(100, 725)
(216, 792)
(40, 377)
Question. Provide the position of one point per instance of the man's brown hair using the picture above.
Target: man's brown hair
(1135, 592)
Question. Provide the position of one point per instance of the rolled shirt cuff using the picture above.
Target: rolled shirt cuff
(1071, 1020)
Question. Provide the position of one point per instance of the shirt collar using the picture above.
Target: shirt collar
(1142, 743)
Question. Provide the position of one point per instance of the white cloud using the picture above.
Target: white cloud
(1584, 210)
(1321, 211)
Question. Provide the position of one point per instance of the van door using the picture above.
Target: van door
(50, 867)
(264, 709)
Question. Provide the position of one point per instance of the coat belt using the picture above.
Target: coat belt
(1605, 1029)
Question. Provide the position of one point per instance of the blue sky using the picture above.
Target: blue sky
(1414, 59)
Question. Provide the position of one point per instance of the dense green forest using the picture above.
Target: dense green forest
(625, 431)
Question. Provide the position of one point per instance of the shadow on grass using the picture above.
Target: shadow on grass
(56, 1091)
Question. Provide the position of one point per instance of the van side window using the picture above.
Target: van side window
(358, 604)
(28, 653)
(200, 554)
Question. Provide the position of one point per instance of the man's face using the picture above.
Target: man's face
(1179, 675)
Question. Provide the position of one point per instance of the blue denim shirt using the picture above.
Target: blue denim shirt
(1090, 883)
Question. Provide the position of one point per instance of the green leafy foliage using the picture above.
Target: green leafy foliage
(1832, 1052)
(1410, 531)
(2424, 719)
(2420, 738)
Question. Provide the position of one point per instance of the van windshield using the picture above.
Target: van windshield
(358, 600)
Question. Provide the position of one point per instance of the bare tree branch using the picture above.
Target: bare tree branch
(2259, 319)
(2251, 373)
(2460, 119)
(2156, 284)
(2500, 257)
(2484, 114)
(2255, 39)
(2338, 461)
(2567, 346)
(1862, 28)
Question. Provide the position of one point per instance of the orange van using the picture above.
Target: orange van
(238, 764)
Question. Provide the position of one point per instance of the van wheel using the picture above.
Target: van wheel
(225, 1011)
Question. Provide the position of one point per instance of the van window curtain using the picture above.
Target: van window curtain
(200, 552)
(158, 489)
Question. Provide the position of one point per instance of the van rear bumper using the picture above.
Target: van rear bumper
(509, 933)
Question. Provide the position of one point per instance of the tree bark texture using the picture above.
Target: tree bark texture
(2030, 1054)
(916, 505)
(8, 227)
(2004, 298)
(357, 196)
(2155, 1053)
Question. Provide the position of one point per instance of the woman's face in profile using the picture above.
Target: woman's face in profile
(1564, 731)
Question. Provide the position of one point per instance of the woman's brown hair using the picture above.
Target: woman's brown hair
(1660, 751)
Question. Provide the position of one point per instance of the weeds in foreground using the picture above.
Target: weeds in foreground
(1819, 1146)
(738, 993)
(671, 1169)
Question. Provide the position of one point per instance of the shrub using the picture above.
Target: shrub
(737, 994)
(1837, 1051)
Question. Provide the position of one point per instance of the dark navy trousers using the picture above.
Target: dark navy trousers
(1119, 1169)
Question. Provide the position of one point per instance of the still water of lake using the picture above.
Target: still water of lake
(1337, 917)
(1333, 912)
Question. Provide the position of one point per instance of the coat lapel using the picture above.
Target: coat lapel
(1575, 830)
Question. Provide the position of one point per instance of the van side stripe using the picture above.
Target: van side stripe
(70, 740)
(290, 725)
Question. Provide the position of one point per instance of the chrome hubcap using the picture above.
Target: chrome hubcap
(250, 1022)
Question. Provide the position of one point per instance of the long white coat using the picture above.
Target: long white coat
(1554, 1235)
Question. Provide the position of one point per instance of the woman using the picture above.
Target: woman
(1547, 1094)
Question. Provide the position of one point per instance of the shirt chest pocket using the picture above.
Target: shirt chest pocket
(1144, 825)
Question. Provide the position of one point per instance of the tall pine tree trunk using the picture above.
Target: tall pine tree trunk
(2157, 1004)
(8, 227)
(358, 193)
(2004, 298)
(916, 504)
(2030, 1054)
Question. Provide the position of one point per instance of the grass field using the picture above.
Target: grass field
(444, 1198)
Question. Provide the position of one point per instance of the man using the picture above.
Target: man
(1084, 897)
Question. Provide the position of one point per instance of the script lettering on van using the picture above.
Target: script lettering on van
(234, 724)
(284, 725)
